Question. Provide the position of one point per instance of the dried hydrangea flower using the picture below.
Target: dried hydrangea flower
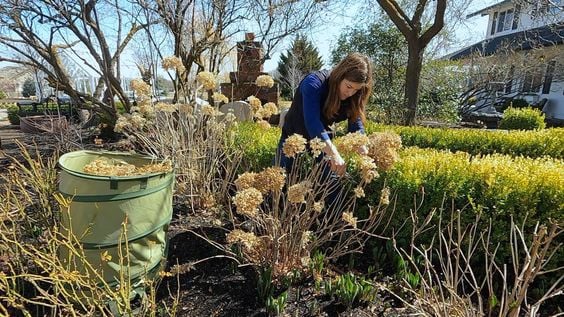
(271, 179)
(294, 145)
(230, 117)
(316, 145)
(137, 121)
(260, 113)
(208, 110)
(122, 124)
(271, 108)
(307, 237)
(297, 192)
(367, 169)
(185, 108)
(165, 107)
(264, 124)
(385, 196)
(349, 218)
(245, 180)
(359, 192)
(206, 79)
(318, 206)
(351, 142)
(264, 81)
(383, 149)
(248, 201)
(140, 87)
(247, 239)
(219, 97)
(255, 103)
(173, 62)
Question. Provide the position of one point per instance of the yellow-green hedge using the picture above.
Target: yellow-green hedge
(501, 185)
(546, 142)
(497, 184)
(258, 145)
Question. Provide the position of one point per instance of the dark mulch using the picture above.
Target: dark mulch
(218, 286)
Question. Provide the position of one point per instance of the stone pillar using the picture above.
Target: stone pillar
(249, 67)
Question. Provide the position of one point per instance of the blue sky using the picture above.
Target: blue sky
(324, 38)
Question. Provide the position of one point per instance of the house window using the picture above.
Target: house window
(532, 81)
(505, 21)
(494, 22)
(548, 77)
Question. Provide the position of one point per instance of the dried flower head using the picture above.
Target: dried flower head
(318, 206)
(248, 201)
(122, 124)
(207, 80)
(247, 239)
(367, 169)
(140, 87)
(173, 62)
(349, 218)
(359, 192)
(219, 97)
(351, 142)
(105, 257)
(230, 117)
(270, 108)
(294, 145)
(245, 180)
(297, 192)
(255, 103)
(385, 196)
(271, 179)
(208, 110)
(185, 108)
(383, 149)
(264, 124)
(264, 81)
(165, 107)
(261, 113)
(316, 145)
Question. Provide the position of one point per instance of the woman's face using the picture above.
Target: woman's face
(348, 88)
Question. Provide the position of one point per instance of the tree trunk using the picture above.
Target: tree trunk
(412, 79)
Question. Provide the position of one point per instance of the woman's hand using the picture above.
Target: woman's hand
(338, 165)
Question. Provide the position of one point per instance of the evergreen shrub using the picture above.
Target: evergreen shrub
(522, 119)
(530, 143)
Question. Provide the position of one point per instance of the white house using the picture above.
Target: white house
(535, 31)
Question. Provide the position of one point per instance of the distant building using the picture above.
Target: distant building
(524, 27)
(12, 79)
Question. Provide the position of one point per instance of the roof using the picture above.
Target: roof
(524, 40)
(485, 10)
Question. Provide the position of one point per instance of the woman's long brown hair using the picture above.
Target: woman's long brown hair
(357, 68)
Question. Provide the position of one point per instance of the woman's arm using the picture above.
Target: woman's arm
(312, 102)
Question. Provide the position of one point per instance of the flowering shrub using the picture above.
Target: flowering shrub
(197, 140)
(282, 216)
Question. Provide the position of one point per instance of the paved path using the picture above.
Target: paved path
(8, 132)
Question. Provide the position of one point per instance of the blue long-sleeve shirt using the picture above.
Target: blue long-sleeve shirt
(305, 115)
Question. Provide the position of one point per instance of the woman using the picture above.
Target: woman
(326, 97)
